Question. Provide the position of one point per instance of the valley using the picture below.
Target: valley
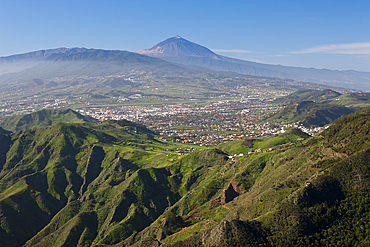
(117, 183)
(113, 148)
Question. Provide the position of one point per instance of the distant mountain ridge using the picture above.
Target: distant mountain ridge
(322, 96)
(62, 62)
(310, 113)
(42, 54)
(181, 51)
(11, 65)
(167, 56)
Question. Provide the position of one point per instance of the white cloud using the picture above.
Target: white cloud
(351, 48)
(231, 51)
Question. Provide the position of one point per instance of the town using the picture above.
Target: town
(206, 122)
(206, 125)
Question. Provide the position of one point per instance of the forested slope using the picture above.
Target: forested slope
(115, 184)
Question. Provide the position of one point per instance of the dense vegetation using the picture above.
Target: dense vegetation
(115, 183)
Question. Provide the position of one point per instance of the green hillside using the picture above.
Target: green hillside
(44, 118)
(313, 193)
(309, 113)
(357, 100)
(53, 175)
(243, 146)
(115, 184)
(351, 100)
(323, 96)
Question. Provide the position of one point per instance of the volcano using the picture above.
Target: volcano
(181, 51)
(178, 47)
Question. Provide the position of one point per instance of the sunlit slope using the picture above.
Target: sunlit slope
(44, 118)
(114, 184)
(45, 169)
(309, 113)
(311, 193)
(323, 96)
(351, 100)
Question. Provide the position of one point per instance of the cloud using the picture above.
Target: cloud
(351, 49)
(231, 51)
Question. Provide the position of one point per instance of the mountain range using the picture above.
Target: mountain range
(116, 184)
(60, 62)
(181, 51)
(175, 54)
(70, 180)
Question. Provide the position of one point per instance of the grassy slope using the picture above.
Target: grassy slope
(355, 100)
(107, 185)
(351, 100)
(104, 169)
(308, 95)
(311, 194)
(44, 118)
(309, 113)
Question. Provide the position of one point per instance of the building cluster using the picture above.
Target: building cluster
(206, 125)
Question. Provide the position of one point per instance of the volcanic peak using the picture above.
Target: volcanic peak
(178, 47)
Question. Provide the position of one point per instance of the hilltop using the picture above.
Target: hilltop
(44, 118)
(177, 46)
(318, 96)
(309, 113)
(352, 100)
(115, 183)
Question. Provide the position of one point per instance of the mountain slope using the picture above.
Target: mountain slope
(4, 132)
(44, 118)
(350, 100)
(311, 194)
(322, 96)
(41, 55)
(21, 62)
(177, 46)
(114, 184)
(46, 169)
(63, 62)
(181, 51)
(309, 113)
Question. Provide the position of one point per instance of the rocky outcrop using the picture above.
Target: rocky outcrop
(229, 233)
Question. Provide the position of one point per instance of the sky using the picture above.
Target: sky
(331, 34)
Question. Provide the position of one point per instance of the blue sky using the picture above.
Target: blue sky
(322, 34)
